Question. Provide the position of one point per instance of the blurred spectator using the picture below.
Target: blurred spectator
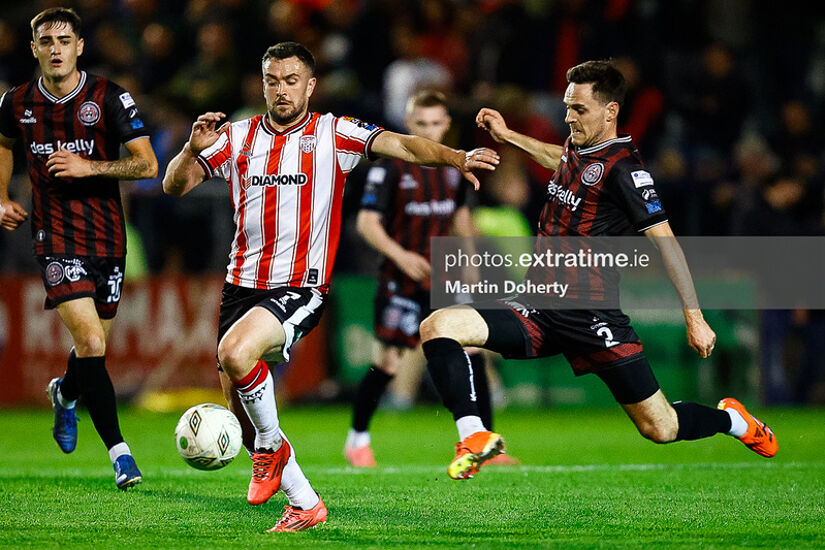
(209, 82)
(408, 73)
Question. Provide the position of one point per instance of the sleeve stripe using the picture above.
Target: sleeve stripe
(654, 224)
(205, 165)
(368, 147)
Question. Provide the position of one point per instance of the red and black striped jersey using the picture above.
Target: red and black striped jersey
(602, 190)
(416, 203)
(83, 216)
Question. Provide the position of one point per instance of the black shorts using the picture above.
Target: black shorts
(396, 317)
(593, 341)
(298, 309)
(71, 277)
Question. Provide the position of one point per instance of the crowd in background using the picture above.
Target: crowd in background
(724, 103)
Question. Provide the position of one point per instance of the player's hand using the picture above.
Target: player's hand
(414, 266)
(204, 132)
(700, 336)
(12, 215)
(492, 121)
(478, 159)
(64, 164)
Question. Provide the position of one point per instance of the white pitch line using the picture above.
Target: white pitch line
(243, 470)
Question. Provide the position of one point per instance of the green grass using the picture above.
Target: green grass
(589, 481)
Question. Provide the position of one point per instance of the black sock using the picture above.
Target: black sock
(485, 407)
(68, 388)
(452, 376)
(698, 421)
(369, 393)
(99, 396)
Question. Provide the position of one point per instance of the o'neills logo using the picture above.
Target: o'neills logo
(277, 179)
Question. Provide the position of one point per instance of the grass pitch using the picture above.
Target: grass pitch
(588, 481)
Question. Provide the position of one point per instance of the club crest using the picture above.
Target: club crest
(89, 113)
(593, 173)
(54, 273)
(307, 143)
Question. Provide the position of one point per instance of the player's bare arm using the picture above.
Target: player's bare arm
(700, 336)
(11, 213)
(184, 173)
(420, 150)
(369, 226)
(546, 154)
(141, 163)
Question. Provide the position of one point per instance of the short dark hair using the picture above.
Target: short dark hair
(284, 50)
(426, 98)
(51, 16)
(608, 82)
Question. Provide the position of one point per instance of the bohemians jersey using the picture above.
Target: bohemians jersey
(416, 203)
(83, 216)
(287, 190)
(597, 191)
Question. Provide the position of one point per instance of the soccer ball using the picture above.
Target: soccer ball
(208, 436)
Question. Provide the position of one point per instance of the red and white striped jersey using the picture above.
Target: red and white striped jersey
(287, 188)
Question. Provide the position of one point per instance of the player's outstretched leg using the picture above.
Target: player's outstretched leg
(756, 435)
(452, 375)
(484, 399)
(64, 430)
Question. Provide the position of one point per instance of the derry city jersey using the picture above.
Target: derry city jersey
(287, 191)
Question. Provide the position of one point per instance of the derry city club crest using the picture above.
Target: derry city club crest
(307, 144)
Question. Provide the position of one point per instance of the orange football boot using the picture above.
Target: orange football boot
(267, 469)
(759, 438)
(360, 457)
(295, 519)
(473, 452)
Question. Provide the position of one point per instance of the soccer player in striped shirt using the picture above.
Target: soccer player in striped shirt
(286, 171)
(600, 188)
(72, 125)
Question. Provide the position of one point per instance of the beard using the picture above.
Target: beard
(286, 116)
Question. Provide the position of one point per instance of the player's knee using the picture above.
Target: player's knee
(91, 343)
(659, 432)
(235, 358)
(436, 325)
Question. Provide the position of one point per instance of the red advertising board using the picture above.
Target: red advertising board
(163, 338)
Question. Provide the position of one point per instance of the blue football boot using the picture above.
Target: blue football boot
(126, 472)
(65, 420)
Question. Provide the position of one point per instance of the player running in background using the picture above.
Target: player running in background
(599, 188)
(286, 170)
(72, 125)
(405, 204)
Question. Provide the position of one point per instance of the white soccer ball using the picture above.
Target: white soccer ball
(208, 436)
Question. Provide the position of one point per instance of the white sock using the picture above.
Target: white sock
(119, 450)
(468, 425)
(357, 439)
(63, 403)
(738, 426)
(295, 484)
(258, 400)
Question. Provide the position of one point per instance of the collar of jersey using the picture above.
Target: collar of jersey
(298, 125)
(608, 143)
(66, 98)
